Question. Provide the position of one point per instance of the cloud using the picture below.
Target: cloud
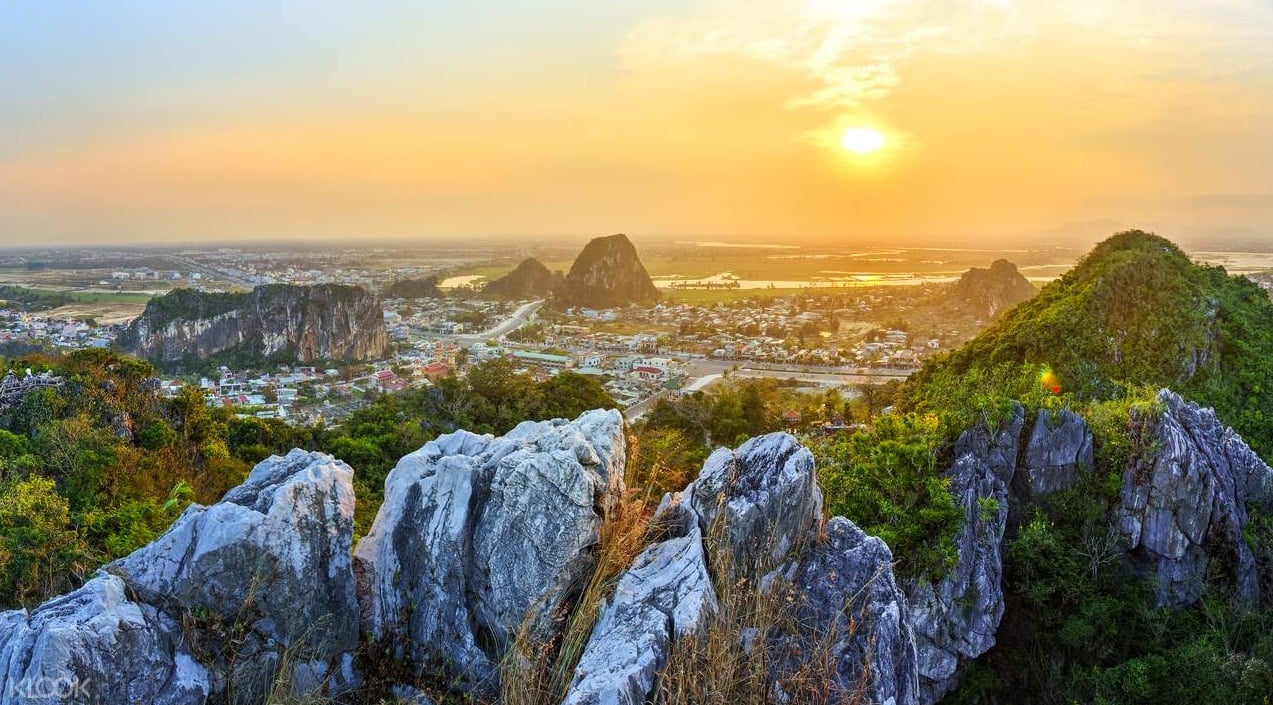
(855, 52)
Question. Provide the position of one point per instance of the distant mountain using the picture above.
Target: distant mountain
(989, 292)
(426, 288)
(607, 273)
(530, 280)
(1137, 311)
(276, 321)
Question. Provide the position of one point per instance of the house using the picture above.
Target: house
(435, 371)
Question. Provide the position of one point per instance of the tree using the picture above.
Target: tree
(40, 554)
(569, 394)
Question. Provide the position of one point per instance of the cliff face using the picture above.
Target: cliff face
(1187, 503)
(530, 280)
(324, 322)
(989, 292)
(607, 273)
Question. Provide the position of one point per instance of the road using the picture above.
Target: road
(508, 325)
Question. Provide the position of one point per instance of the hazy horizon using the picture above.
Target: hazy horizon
(1000, 122)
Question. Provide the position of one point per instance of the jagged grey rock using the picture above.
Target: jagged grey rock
(851, 613)
(955, 618)
(1189, 498)
(479, 536)
(665, 595)
(1059, 447)
(273, 556)
(767, 495)
(98, 647)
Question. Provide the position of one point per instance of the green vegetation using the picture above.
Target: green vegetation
(1135, 315)
(26, 299)
(33, 299)
(92, 473)
(1135, 311)
(887, 479)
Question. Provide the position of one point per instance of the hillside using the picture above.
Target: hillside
(607, 273)
(1135, 311)
(303, 323)
(530, 280)
(426, 288)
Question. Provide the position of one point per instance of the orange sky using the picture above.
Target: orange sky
(1004, 119)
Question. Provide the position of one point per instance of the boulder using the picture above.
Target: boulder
(1187, 501)
(1059, 447)
(481, 537)
(851, 615)
(955, 618)
(765, 495)
(98, 647)
(666, 594)
(227, 596)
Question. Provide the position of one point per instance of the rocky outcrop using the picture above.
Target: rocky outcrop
(228, 596)
(988, 292)
(852, 617)
(766, 497)
(835, 589)
(303, 323)
(529, 280)
(606, 274)
(955, 618)
(480, 537)
(99, 647)
(1187, 501)
(1058, 449)
(666, 595)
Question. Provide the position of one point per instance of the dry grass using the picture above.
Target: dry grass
(746, 653)
(538, 673)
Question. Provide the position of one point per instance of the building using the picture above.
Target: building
(550, 360)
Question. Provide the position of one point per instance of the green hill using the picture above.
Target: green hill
(1134, 312)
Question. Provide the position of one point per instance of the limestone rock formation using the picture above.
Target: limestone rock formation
(529, 280)
(955, 618)
(765, 493)
(1189, 499)
(1059, 447)
(480, 536)
(267, 568)
(763, 500)
(666, 594)
(305, 323)
(989, 292)
(852, 612)
(96, 646)
(606, 274)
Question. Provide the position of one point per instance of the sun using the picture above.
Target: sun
(862, 140)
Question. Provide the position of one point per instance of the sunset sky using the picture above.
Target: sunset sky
(172, 120)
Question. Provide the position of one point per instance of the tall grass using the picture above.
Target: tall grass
(539, 673)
